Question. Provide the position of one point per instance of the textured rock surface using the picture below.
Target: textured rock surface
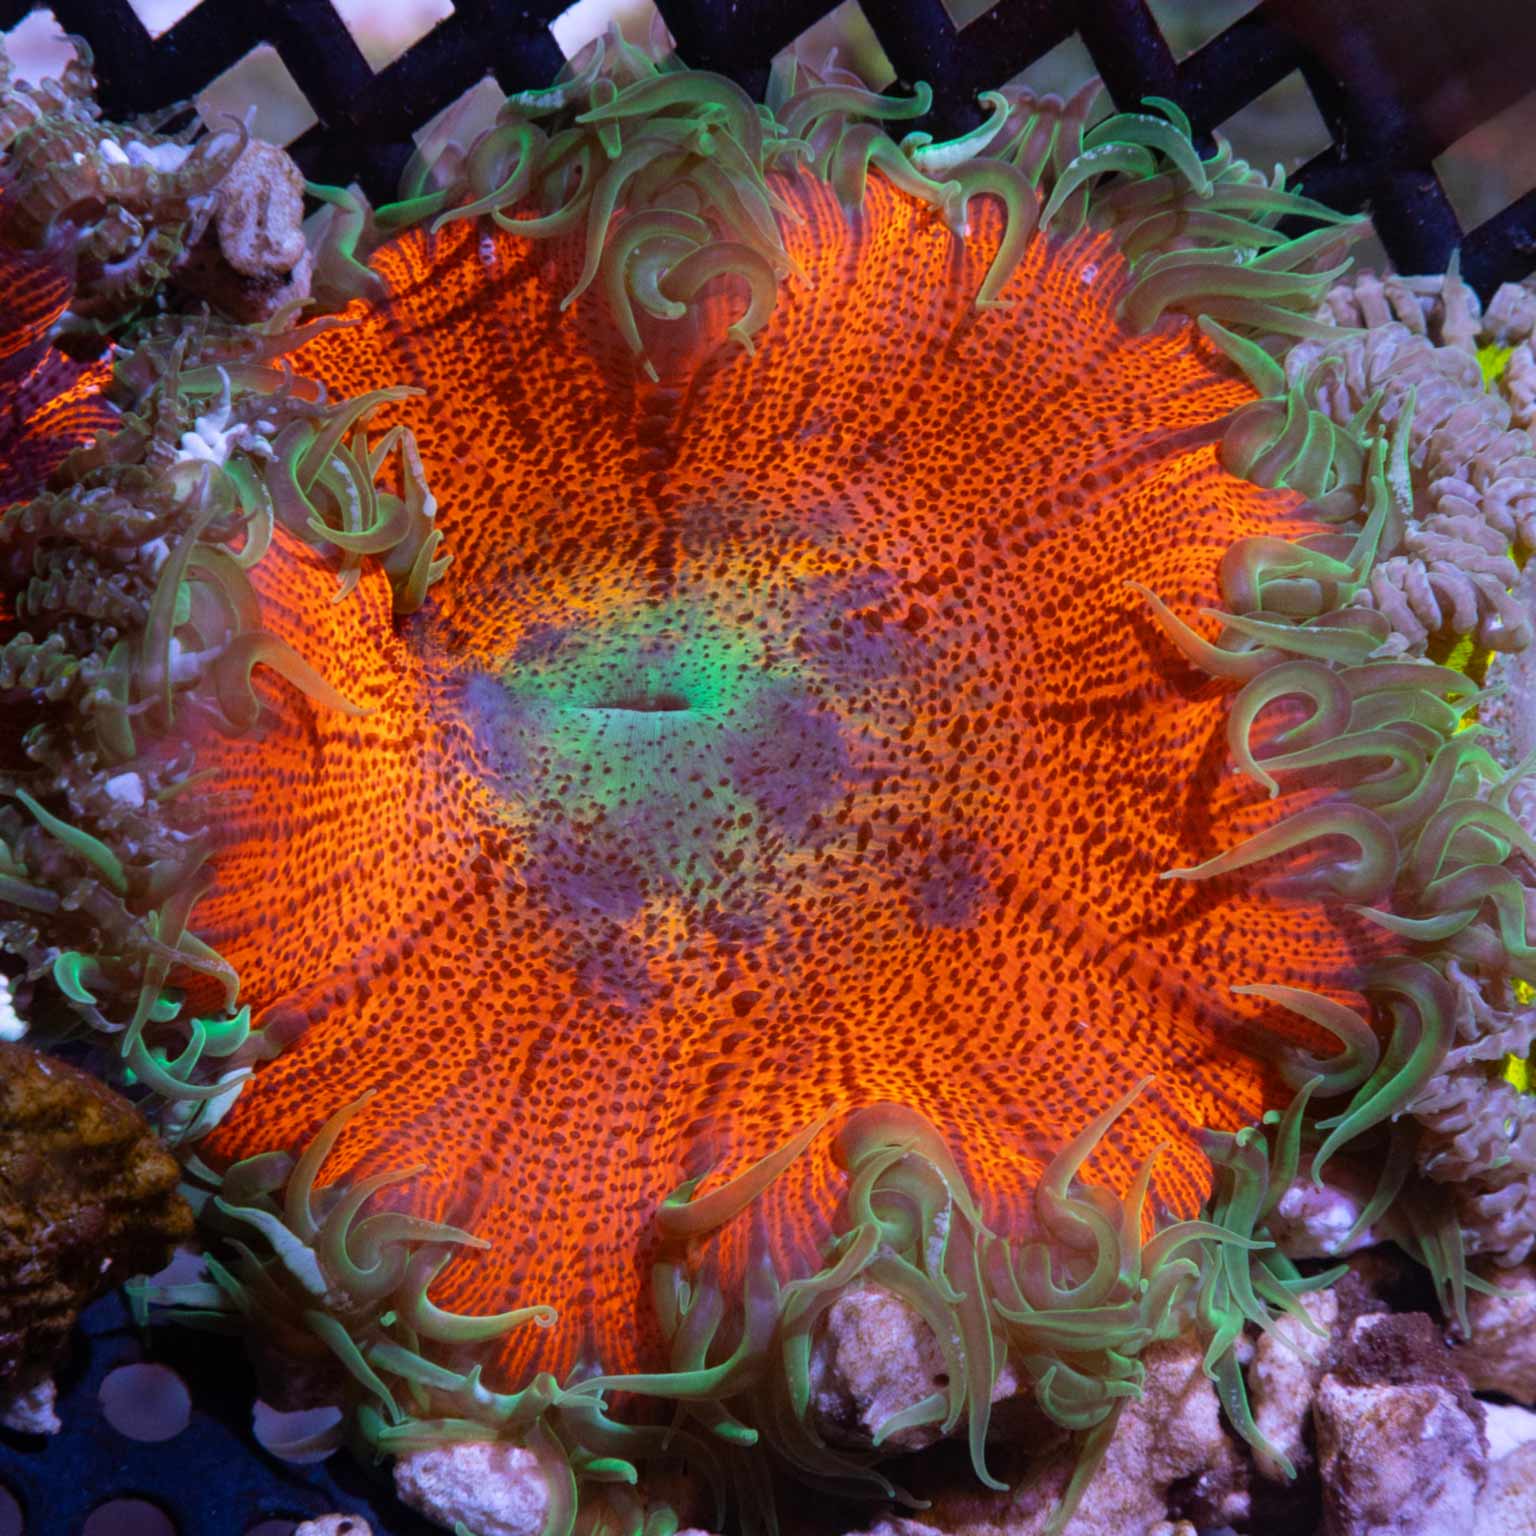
(495, 1489)
(252, 259)
(1508, 1503)
(334, 1525)
(1374, 1410)
(1403, 1459)
(87, 1199)
(31, 1410)
(1500, 1356)
(1170, 1458)
(875, 1357)
(1401, 1443)
(1282, 1381)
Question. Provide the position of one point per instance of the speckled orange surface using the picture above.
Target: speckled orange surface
(784, 738)
(48, 403)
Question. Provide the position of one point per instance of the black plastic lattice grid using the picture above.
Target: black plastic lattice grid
(1391, 102)
(1377, 70)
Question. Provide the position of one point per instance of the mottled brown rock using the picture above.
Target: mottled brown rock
(252, 259)
(1402, 1349)
(87, 1199)
(1401, 1459)
(1401, 1443)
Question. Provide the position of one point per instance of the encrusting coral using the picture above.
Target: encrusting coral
(800, 828)
(88, 1197)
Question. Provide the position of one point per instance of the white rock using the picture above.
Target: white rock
(1287, 1364)
(873, 1357)
(495, 1488)
(334, 1525)
(1509, 1427)
(1397, 1460)
(1172, 1435)
(1500, 1356)
(1313, 1222)
(1508, 1503)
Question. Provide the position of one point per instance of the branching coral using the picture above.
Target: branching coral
(772, 805)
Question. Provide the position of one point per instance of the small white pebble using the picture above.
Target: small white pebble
(125, 788)
(163, 157)
(112, 152)
(12, 1025)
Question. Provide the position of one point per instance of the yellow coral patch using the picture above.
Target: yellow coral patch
(1493, 359)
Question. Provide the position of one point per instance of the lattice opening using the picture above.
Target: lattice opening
(159, 16)
(128, 1517)
(1485, 170)
(846, 32)
(964, 12)
(1280, 127)
(260, 91)
(384, 32)
(1062, 70)
(465, 117)
(1188, 25)
(587, 19)
(37, 46)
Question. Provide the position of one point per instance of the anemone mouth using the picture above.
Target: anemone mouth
(651, 701)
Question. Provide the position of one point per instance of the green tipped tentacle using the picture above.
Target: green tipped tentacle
(683, 282)
(1168, 136)
(1021, 207)
(932, 159)
(1338, 1074)
(1330, 712)
(1364, 878)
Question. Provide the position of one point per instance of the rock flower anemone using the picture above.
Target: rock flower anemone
(905, 713)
